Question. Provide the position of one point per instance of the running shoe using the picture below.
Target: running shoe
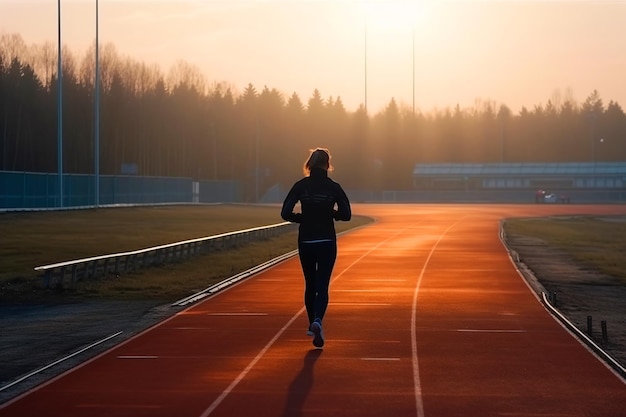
(318, 334)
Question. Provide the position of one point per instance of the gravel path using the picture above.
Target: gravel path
(34, 336)
(580, 292)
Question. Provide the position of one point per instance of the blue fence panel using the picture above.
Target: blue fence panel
(29, 190)
(107, 190)
(11, 190)
(78, 190)
(220, 192)
(37, 190)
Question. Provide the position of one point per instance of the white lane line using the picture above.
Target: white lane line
(489, 331)
(352, 341)
(359, 304)
(381, 359)
(35, 372)
(269, 344)
(137, 357)
(383, 280)
(251, 365)
(419, 403)
(238, 314)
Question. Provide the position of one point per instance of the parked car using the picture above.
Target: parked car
(542, 196)
(550, 198)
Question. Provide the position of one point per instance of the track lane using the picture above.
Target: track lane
(479, 342)
(354, 375)
(498, 342)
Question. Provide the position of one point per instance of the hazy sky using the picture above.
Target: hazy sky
(513, 52)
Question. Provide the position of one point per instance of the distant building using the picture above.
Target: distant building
(563, 177)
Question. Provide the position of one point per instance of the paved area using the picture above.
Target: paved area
(33, 337)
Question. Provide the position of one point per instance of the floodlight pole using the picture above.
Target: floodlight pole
(59, 109)
(256, 161)
(97, 119)
(413, 46)
(365, 67)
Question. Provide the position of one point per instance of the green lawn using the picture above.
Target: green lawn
(596, 242)
(31, 239)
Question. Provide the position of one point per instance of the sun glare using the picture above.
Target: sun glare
(395, 15)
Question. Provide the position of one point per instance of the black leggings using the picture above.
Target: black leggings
(317, 260)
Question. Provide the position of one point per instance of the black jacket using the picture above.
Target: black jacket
(318, 195)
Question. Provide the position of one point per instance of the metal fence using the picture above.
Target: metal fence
(32, 190)
(28, 190)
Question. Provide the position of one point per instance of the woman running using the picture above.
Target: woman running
(322, 201)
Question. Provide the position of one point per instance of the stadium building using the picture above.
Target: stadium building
(571, 181)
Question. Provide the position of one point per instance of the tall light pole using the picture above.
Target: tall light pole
(97, 118)
(413, 46)
(365, 67)
(256, 161)
(59, 109)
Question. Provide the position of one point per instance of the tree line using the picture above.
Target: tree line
(179, 124)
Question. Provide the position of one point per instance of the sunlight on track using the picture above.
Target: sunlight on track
(416, 377)
(436, 275)
(381, 359)
(416, 374)
(137, 357)
(251, 365)
(490, 331)
(282, 330)
(360, 304)
(238, 314)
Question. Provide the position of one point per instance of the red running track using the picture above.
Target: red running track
(428, 317)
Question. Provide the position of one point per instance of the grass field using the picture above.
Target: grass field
(31, 239)
(598, 243)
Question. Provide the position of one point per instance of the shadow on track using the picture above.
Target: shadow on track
(301, 385)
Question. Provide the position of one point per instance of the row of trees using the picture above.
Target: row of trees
(178, 124)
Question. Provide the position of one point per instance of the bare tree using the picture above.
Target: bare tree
(44, 62)
(13, 46)
(183, 73)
